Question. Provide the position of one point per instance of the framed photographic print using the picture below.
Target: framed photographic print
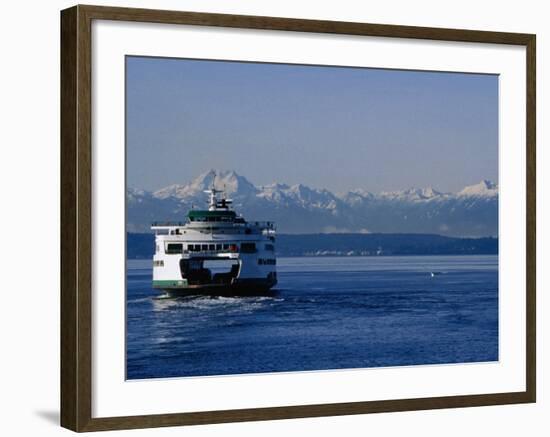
(268, 218)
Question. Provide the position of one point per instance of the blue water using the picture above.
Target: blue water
(328, 313)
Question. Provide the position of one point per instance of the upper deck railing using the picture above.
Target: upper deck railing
(254, 227)
(167, 224)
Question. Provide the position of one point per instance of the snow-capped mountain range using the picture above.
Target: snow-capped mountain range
(471, 212)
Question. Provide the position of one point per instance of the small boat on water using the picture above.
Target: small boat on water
(214, 252)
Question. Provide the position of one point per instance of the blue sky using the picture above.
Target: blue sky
(326, 127)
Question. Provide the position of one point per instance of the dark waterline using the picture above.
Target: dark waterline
(327, 313)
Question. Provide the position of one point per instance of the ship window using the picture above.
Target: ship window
(248, 247)
(173, 248)
(270, 247)
(218, 247)
(211, 247)
(158, 263)
(204, 247)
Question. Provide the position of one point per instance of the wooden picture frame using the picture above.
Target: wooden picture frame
(76, 217)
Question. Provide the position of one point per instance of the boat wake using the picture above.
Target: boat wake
(200, 302)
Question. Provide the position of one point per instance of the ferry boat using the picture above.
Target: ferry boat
(214, 252)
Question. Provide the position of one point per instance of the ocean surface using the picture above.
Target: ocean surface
(326, 313)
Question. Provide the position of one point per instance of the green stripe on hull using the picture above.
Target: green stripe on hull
(174, 283)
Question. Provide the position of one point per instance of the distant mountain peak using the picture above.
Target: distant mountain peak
(485, 188)
(430, 192)
(227, 180)
(413, 194)
(360, 192)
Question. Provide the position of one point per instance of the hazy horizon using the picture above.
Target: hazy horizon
(336, 128)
